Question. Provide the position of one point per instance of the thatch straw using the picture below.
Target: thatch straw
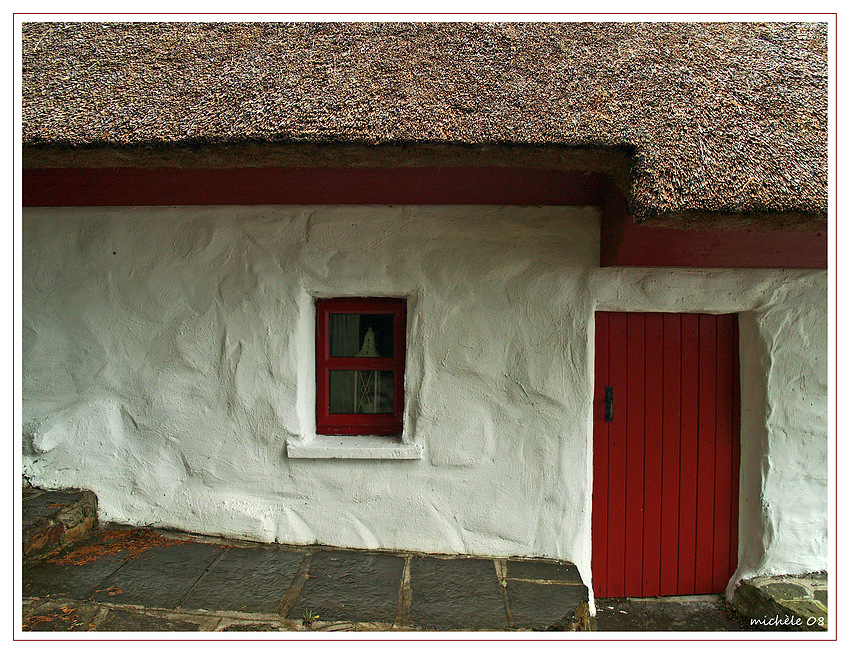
(719, 117)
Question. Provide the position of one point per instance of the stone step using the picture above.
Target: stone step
(52, 518)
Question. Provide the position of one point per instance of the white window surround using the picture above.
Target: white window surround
(352, 447)
(310, 445)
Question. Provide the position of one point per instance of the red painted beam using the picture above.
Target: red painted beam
(624, 243)
(701, 248)
(76, 187)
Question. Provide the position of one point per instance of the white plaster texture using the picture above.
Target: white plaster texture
(168, 359)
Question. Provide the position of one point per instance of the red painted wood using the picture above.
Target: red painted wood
(706, 452)
(736, 451)
(671, 421)
(653, 421)
(677, 528)
(615, 220)
(267, 185)
(727, 249)
(636, 375)
(359, 424)
(723, 470)
(689, 463)
(617, 458)
(625, 243)
(599, 522)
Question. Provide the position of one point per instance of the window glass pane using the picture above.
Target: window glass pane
(361, 334)
(361, 391)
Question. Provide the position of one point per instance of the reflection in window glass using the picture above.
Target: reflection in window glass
(361, 334)
(361, 391)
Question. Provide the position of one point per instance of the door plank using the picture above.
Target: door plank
(689, 451)
(736, 451)
(706, 452)
(654, 392)
(671, 453)
(617, 458)
(636, 375)
(599, 518)
(723, 452)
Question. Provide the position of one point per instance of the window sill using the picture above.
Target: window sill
(352, 447)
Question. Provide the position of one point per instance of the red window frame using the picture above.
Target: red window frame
(358, 424)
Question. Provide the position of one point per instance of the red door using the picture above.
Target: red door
(665, 454)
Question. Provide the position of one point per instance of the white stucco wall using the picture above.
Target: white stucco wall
(167, 359)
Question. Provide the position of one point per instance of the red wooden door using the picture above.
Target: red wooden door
(666, 455)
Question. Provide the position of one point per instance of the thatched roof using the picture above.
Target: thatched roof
(716, 117)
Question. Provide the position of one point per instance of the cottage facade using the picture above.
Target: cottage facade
(178, 248)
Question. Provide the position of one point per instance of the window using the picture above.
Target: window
(360, 349)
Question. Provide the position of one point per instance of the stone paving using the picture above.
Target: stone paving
(787, 602)
(685, 613)
(125, 579)
(782, 603)
(145, 580)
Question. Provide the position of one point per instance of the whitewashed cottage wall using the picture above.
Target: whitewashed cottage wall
(168, 361)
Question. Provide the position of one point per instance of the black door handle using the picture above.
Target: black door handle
(609, 404)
